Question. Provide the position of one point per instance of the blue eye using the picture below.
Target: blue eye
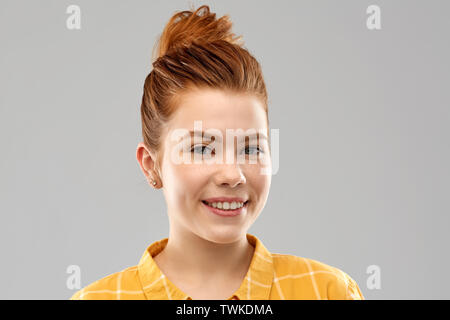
(200, 147)
(257, 148)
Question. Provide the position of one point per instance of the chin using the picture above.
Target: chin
(224, 236)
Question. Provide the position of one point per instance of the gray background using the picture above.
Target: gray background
(364, 139)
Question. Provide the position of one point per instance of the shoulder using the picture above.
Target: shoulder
(323, 281)
(118, 285)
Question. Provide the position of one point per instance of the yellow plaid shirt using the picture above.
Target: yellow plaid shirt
(271, 276)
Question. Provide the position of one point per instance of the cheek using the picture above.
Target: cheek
(258, 181)
(188, 181)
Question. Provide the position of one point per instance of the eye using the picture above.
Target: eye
(258, 149)
(202, 148)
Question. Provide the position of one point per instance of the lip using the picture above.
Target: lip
(224, 199)
(227, 213)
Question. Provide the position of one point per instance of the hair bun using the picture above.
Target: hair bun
(199, 26)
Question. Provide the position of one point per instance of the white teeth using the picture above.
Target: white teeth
(227, 205)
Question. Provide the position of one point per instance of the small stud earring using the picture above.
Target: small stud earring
(154, 182)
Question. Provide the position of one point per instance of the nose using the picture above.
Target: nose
(230, 174)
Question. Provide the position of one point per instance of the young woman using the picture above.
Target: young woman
(203, 85)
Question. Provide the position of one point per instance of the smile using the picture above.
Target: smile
(226, 209)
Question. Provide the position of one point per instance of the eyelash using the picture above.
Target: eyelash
(195, 147)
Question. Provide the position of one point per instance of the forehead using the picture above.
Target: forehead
(220, 110)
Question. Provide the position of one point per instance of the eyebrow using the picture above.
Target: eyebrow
(208, 136)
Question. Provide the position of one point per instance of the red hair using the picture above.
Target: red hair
(194, 51)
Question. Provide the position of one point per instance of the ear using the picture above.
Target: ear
(146, 159)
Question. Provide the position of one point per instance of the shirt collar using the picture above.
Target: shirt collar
(256, 285)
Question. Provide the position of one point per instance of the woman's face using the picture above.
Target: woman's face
(187, 184)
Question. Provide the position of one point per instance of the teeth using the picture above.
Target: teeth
(226, 205)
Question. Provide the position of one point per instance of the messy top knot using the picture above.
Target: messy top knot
(200, 26)
(195, 51)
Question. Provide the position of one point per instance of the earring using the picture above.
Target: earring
(154, 182)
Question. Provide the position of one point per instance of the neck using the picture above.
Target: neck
(196, 259)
